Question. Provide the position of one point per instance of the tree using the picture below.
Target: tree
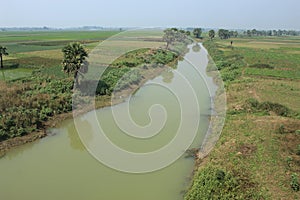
(211, 34)
(254, 32)
(74, 58)
(174, 35)
(224, 34)
(169, 37)
(197, 32)
(3, 52)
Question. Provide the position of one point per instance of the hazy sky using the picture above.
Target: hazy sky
(260, 14)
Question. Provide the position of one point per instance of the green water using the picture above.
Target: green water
(59, 166)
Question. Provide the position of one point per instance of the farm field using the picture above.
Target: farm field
(259, 146)
(36, 50)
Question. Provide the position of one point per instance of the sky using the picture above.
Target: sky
(231, 14)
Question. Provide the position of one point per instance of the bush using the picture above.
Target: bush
(267, 106)
(295, 185)
(230, 74)
(213, 183)
(35, 101)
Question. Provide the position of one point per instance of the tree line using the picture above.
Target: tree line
(279, 32)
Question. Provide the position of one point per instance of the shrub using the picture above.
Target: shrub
(295, 185)
(267, 106)
(213, 183)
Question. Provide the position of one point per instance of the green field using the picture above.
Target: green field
(32, 50)
(257, 155)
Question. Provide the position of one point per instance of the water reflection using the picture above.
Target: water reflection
(168, 76)
(73, 136)
(196, 47)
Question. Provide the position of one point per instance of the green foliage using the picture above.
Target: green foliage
(74, 56)
(163, 57)
(144, 56)
(228, 74)
(224, 34)
(211, 34)
(125, 71)
(197, 32)
(267, 106)
(295, 185)
(214, 183)
(36, 89)
(230, 66)
(33, 105)
(111, 76)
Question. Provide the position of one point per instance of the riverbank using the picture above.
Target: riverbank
(100, 102)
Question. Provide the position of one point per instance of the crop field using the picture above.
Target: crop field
(29, 51)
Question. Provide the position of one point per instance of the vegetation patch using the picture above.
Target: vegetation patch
(261, 65)
(212, 182)
(267, 106)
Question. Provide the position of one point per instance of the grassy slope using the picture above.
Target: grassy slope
(258, 148)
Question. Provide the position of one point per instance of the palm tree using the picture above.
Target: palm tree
(74, 59)
(3, 52)
(211, 34)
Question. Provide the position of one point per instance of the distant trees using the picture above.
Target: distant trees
(279, 32)
(74, 58)
(3, 52)
(211, 34)
(197, 32)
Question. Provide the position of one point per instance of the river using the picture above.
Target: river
(59, 166)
